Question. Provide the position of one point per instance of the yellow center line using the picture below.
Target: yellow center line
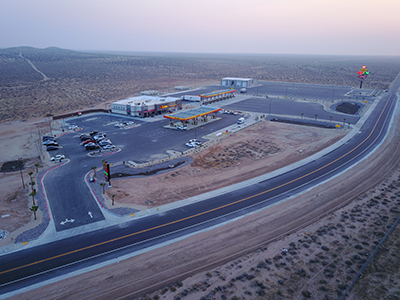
(201, 213)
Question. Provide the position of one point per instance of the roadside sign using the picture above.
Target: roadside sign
(106, 169)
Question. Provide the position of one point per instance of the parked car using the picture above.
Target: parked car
(92, 147)
(46, 137)
(51, 148)
(191, 145)
(98, 137)
(195, 141)
(49, 141)
(104, 143)
(85, 137)
(90, 144)
(88, 141)
(106, 147)
(181, 127)
(52, 144)
(57, 157)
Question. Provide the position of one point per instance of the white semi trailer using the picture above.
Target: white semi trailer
(191, 98)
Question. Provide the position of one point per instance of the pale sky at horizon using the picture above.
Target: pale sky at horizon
(352, 27)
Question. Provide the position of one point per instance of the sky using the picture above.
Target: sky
(328, 27)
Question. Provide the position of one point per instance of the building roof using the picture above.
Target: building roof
(217, 93)
(237, 78)
(193, 113)
(146, 99)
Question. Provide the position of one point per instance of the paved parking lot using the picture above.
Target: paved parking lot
(300, 91)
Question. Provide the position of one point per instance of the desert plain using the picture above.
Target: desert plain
(309, 247)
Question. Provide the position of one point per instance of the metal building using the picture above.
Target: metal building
(146, 106)
(238, 82)
(211, 97)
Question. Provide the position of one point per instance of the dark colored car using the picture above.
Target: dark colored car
(46, 137)
(92, 147)
(85, 137)
(51, 148)
(52, 144)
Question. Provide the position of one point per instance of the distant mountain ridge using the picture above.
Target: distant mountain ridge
(28, 49)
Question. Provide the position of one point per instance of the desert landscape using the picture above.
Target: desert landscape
(268, 255)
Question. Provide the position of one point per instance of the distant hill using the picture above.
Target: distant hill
(46, 54)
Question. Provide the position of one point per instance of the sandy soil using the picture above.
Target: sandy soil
(18, 140)
(257, 150)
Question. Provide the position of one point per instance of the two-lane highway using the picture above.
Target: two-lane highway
(39, 263)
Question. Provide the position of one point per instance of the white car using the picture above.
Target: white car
(191, 145)
(181, 127)
(57, 157)
(108, 147)
(195, 141)
(49, 141)
(105, 142)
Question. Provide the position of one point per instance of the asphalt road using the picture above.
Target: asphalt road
(36, 264)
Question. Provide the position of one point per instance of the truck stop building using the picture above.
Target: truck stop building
(146, 106)
(193, 116)
(238, 82)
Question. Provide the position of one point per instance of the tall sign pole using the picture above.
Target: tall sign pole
(362, 74)
(107, 174)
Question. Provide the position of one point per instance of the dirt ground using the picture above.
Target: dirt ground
(257, 150)
(18, 141)
(308, 247)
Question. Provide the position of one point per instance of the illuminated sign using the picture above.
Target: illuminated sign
(362, 74)
(106, 169)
